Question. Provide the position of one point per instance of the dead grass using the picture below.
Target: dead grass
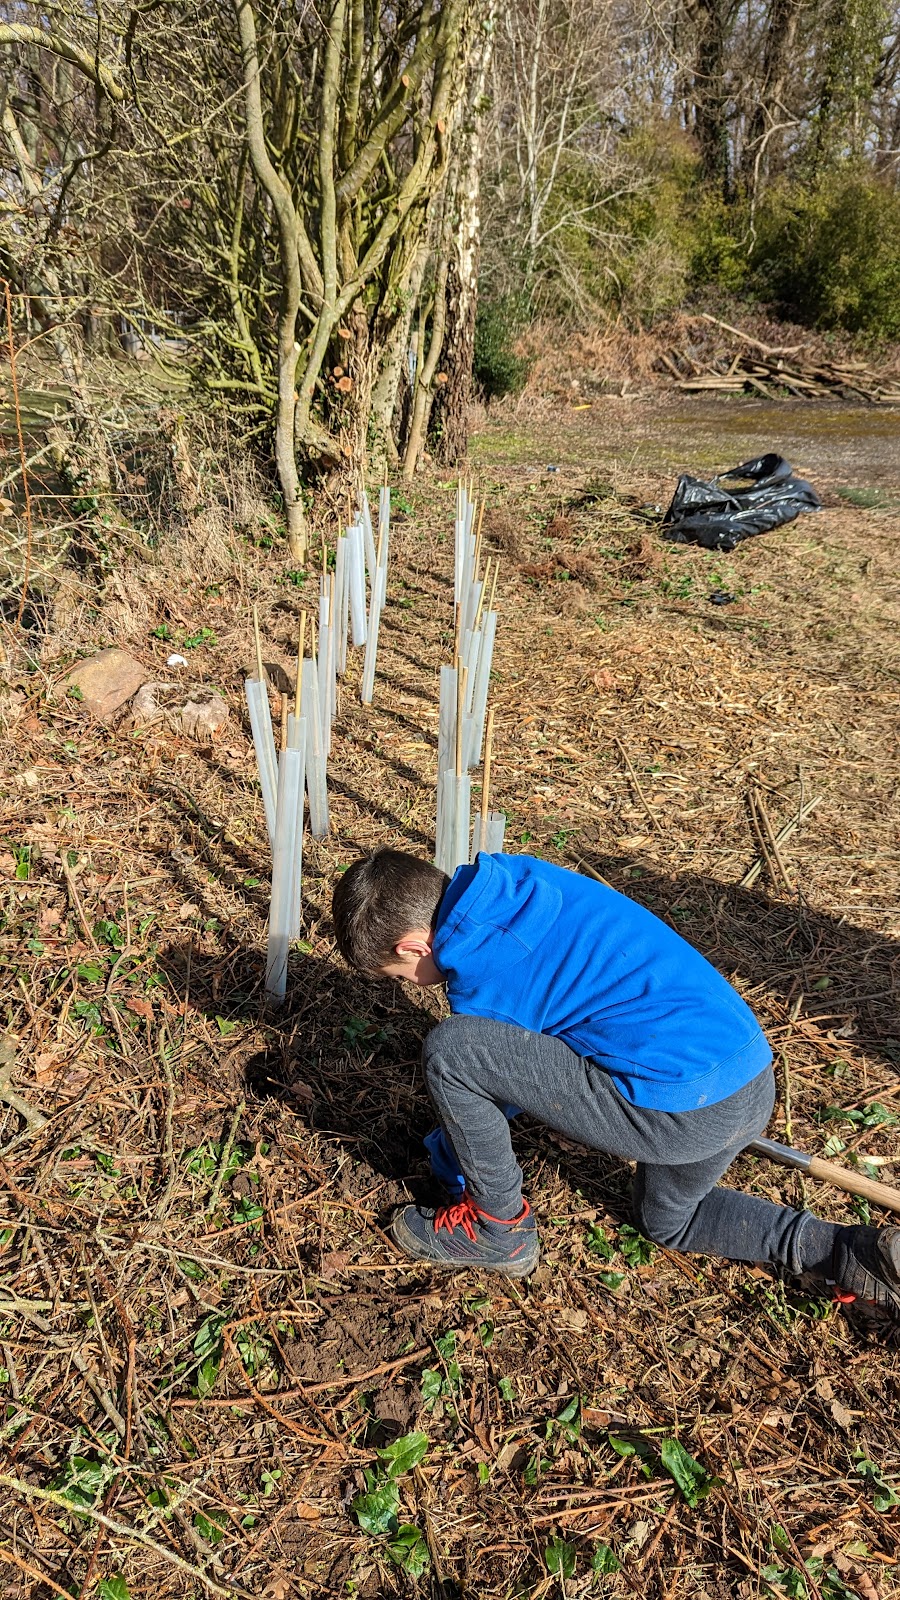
(134, 1252)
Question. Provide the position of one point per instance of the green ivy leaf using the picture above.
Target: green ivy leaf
(376, 1512)
(81, 1481)
(878, 1116)
(89, 1013)
(507, 1392)
(599, 1242)
(113, 1589)
(639, 1448)
(206, 1376)
(690, 1475)
(404, 1454)
(432, 1385)
(209, 1528)
(612, 1280)
(605, 1560)
(253, 1349)
(409, 1550)
(883, 1495)
(90, 971)
(208, 1338)
(787, 1578)
(560, 1557)
(637, 1250)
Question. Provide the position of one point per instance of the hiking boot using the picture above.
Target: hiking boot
(865, 1267)
(462, 1235)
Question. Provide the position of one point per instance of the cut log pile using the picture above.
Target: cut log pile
(775, 371)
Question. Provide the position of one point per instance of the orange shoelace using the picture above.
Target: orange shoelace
(462, 1214)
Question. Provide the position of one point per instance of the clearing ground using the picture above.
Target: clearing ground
(205, 1332)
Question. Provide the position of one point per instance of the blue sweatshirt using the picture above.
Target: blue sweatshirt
(554, 952)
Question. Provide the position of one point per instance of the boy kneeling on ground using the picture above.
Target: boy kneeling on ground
(576, 1005)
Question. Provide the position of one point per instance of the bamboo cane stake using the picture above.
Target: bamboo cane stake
(478, 535)
(481, 596)
(260, 669)
(486, 781)
(460, 708)
(765, 820)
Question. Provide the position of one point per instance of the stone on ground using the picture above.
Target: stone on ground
(106, 681)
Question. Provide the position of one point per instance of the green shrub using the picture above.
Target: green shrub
(720, 239)
(496, 367)
(651, 239)
(830, 255)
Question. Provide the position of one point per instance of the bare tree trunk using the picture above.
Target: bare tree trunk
(709, 92)
(780, 35)
(391, 381)
(427, 360)
(291, 287)
(454, 397)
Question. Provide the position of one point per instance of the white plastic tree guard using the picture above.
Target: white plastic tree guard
(316, 785)
(377, 596)
(257, 696)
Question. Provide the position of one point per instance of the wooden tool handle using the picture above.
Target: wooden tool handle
(856, 1182)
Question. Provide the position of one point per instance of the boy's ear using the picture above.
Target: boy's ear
(415, 943)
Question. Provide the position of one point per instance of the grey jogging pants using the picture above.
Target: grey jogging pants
(474, 1066)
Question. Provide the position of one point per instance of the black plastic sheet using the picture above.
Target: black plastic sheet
(752, 498)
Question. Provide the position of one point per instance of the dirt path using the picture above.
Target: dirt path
(857, 447)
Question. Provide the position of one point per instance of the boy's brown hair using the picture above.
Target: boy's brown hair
(379, 899)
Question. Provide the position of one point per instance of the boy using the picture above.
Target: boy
(586, 1011)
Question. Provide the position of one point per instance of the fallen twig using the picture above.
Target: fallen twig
(30, 1491)
(654, 822)
(750, 877)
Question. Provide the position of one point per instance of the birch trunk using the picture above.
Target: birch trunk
(450, 410)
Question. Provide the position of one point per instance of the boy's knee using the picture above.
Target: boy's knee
(653, 1224)
(668, 1238)
(447, 1046)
